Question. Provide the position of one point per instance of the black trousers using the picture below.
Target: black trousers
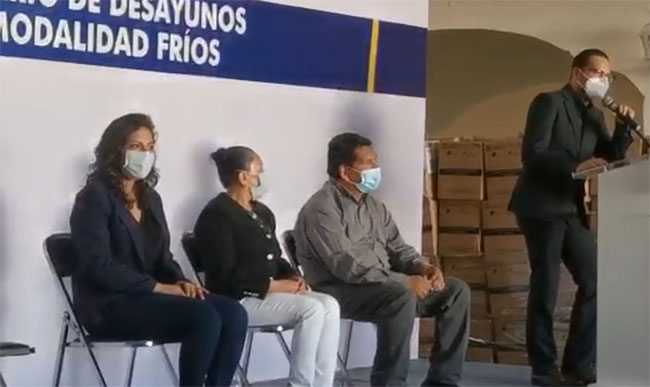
(549, 243)
(392, 307)
(211, 332)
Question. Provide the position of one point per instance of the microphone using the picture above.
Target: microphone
(609, 103)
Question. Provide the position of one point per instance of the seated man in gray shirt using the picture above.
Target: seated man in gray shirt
(350, 247)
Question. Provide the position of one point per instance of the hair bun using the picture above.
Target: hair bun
(219, 157)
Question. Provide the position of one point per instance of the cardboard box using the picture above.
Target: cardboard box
(593, 205)
(427, 329)
(510, 331)
(479, 306)
(429, 227)
(426, 335)
(498, 189)
(480, 354)
(461, 244)
(504, 244)
(427, 212)
(508, 304)
(593, 186)
(463, 155)
(497, 217)
(593, 222)
(459, 214)
(503, 155)
(481, 329)
(513, 331)
(430, 169)
(505, 276)
(430, 185)
(512, 357)
(469, 269)
(427, 244)
(506, 258)
(460, 187)
(636, 149)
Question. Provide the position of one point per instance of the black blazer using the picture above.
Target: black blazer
(554, 144)
(111, 251)
(239, 255)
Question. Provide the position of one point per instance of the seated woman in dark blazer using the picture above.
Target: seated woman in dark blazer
(236, 240)
(126, 285)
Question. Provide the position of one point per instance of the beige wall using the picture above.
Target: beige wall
(570, 25)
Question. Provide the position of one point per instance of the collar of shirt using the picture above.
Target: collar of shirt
(344, 192)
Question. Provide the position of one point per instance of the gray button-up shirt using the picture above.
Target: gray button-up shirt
(342, 240)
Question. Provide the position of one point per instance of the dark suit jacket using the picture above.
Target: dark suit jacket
(111, 251)
(240, 257)
(554, 145)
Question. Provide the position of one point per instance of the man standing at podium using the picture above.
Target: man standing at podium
(565, 133)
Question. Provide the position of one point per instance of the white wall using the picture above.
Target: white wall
(51, 117)
(612, 25)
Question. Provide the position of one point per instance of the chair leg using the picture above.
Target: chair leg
(60, 353)
(170, 365)
(283, 344)
(347, 380)
(130, 367)
(91, 353)
(243, 379)
(2, 381)
(247, 352)
(348, 342)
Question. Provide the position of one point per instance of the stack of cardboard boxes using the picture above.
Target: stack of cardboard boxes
(636, 150)
(469, 230)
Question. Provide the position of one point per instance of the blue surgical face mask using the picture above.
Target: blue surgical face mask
(370, 180)
(138, 164)
(260, 190)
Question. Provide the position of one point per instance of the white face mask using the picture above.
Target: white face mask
(138, 164)
(596, 87)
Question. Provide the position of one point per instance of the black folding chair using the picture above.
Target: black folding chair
(11, 349)
(189, 245)
(289, 243)
(62, 258)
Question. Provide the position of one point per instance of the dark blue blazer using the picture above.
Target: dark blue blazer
(554, 145)
(111, 250)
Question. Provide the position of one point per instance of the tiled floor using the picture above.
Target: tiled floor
(475, 374)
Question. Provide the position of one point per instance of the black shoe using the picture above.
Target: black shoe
(585, 377)
(552, 378)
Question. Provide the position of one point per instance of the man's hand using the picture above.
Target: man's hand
(434, 275)
(419, 285)
(624, 111)
(591, 163)
(193, 290)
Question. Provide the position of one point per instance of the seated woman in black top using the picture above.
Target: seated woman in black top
(127, 286)
(235, 237)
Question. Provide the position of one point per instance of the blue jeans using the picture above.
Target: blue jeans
(211, 331)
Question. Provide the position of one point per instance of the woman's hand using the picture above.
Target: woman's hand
(284, 286)
(170, 289)
(193, 290)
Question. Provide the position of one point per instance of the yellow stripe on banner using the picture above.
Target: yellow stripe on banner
(372, 57)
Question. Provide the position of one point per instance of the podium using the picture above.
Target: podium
(623, 319)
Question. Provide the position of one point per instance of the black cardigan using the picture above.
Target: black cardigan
(239, 255)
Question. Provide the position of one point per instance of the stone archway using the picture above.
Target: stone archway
(480, 82)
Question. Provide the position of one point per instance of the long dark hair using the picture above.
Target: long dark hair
(230, 161)
(109, 157)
